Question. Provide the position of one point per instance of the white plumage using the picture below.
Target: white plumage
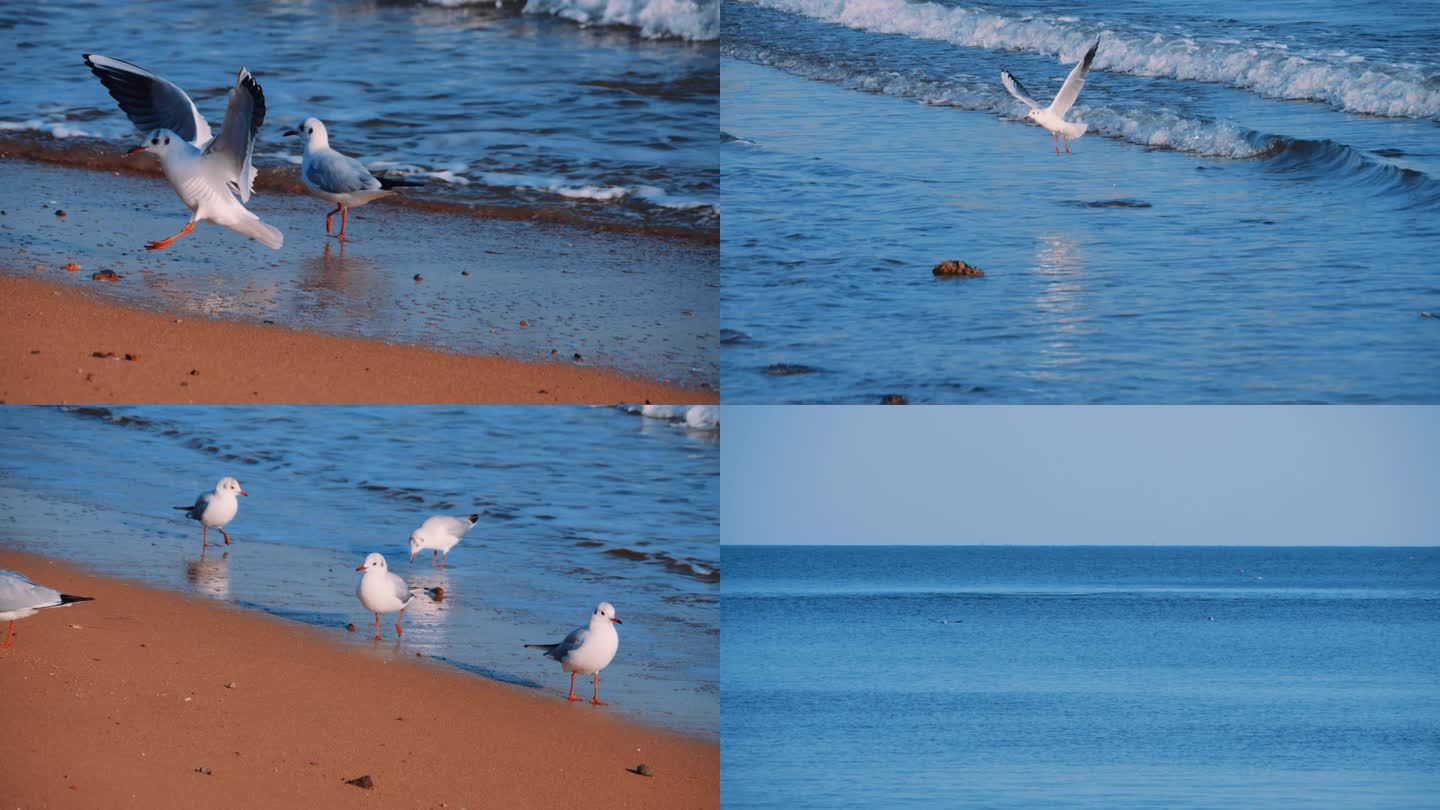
(589, 649)
(216, 509)
(20, 597)
(1053, 117)
(336, 177)
(382, 592)
(440, 533)
(208, 173)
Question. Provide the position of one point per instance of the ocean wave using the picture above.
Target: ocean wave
(598, 193)
(695, 20)
(695, 417)
(1270, 69)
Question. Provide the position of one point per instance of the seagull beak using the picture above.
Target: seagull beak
(136, 150)
(617, 621)
(290, 132)
(359, 568)
(413, 551)
(243, 492)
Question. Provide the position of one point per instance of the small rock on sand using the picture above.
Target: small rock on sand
(464, 272)
(59, 212)
(579, 358)
(642, 769)
(350, 627)
(362, 782)
(105, 275)
(103, 355)
(72, 267)
(231, 685)
(955, 267)
(437, 593)
(894, 399)
(524, 324)
(419, 277)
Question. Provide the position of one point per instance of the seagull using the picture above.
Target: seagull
(19, 597)
(216, 508)
(206, 172)
(440, 534)
(1053, 117)
(338, 178)
(382, 592)
(587, 650)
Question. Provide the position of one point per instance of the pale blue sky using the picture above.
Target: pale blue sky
(1227, 475)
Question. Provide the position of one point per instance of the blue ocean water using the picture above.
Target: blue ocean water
(1096, 677)
(1249, 218)
(606, 110)
(577, 506)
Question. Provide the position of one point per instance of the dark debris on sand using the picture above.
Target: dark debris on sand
(957, 269)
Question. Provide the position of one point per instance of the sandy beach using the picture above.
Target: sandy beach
(50, 334)
(145, 698)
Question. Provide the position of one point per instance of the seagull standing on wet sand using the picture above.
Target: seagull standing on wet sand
(587, 650)
(440, 534)
(1053, 117)
(208, 173)
(382, 592)
(19, 597)
(216, 508)
(338, 178)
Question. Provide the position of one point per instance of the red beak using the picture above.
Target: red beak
(617, 621)
(359, 568)
(136, 150)
(243, 492)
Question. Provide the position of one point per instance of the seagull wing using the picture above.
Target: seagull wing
(340, 174)
(1018, 90)
(17, 592)
(149, 101)
(402, 591)
(572, 642)
(450, 526)
(231, 148)
(1065, 99)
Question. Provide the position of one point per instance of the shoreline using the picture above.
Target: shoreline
(157, 698)
(93, 154)
(51, 332)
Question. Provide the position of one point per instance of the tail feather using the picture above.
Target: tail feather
(267, 235)
(66, 598)
(545, 647)
(474, 519)
(388, 182)
(183, 508)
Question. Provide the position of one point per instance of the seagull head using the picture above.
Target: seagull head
(604, 612)
(159, 142)
(374, 562)
(415, 544)
(1033, 114)
(229, 485)
(313, 131)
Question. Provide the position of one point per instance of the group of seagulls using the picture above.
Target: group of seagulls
(213, 174)
(585, 651)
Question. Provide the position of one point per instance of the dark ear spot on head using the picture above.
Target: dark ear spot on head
(155, 140)
(167, 140)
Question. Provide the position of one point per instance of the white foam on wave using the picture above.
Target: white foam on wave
(53, 128)
(1147, 126)
(696, 20)
(650, 194)
(1271, 69)
(695, 417)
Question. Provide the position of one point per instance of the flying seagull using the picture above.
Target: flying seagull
(1053, 117)
(339, 178)
(207, 172)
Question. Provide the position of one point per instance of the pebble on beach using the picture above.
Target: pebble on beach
(362, 782)
(105, 275)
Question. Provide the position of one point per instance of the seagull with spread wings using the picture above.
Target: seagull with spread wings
(208, 173)
(1053, 117)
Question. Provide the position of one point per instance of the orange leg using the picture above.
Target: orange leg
(1067, 145)
(573, 696)
(168, 241)
(443, 555)
(204, 535)
(222, 533)
(344, 218)
(434, 558)
(330, 216)
(377, 626)
(9, 635)
(596, 699)
(398, 630)
(1056, 139)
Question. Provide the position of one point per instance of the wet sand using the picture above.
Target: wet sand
(530, 290)
(50, 334)
(145, 698)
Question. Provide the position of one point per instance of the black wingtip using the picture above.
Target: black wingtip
(66, 598)
(398, 182)
(474, 518)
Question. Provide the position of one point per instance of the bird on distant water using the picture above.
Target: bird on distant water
(339, 178)
(208, 173)
(215, 508)
(440, 533)
(1053, 117)
(19, 597)
(587, 650)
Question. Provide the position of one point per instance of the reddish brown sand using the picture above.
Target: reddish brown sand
(50, 334)
(123, 702)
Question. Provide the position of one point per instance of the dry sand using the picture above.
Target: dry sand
(50, 334)
(150, 699)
